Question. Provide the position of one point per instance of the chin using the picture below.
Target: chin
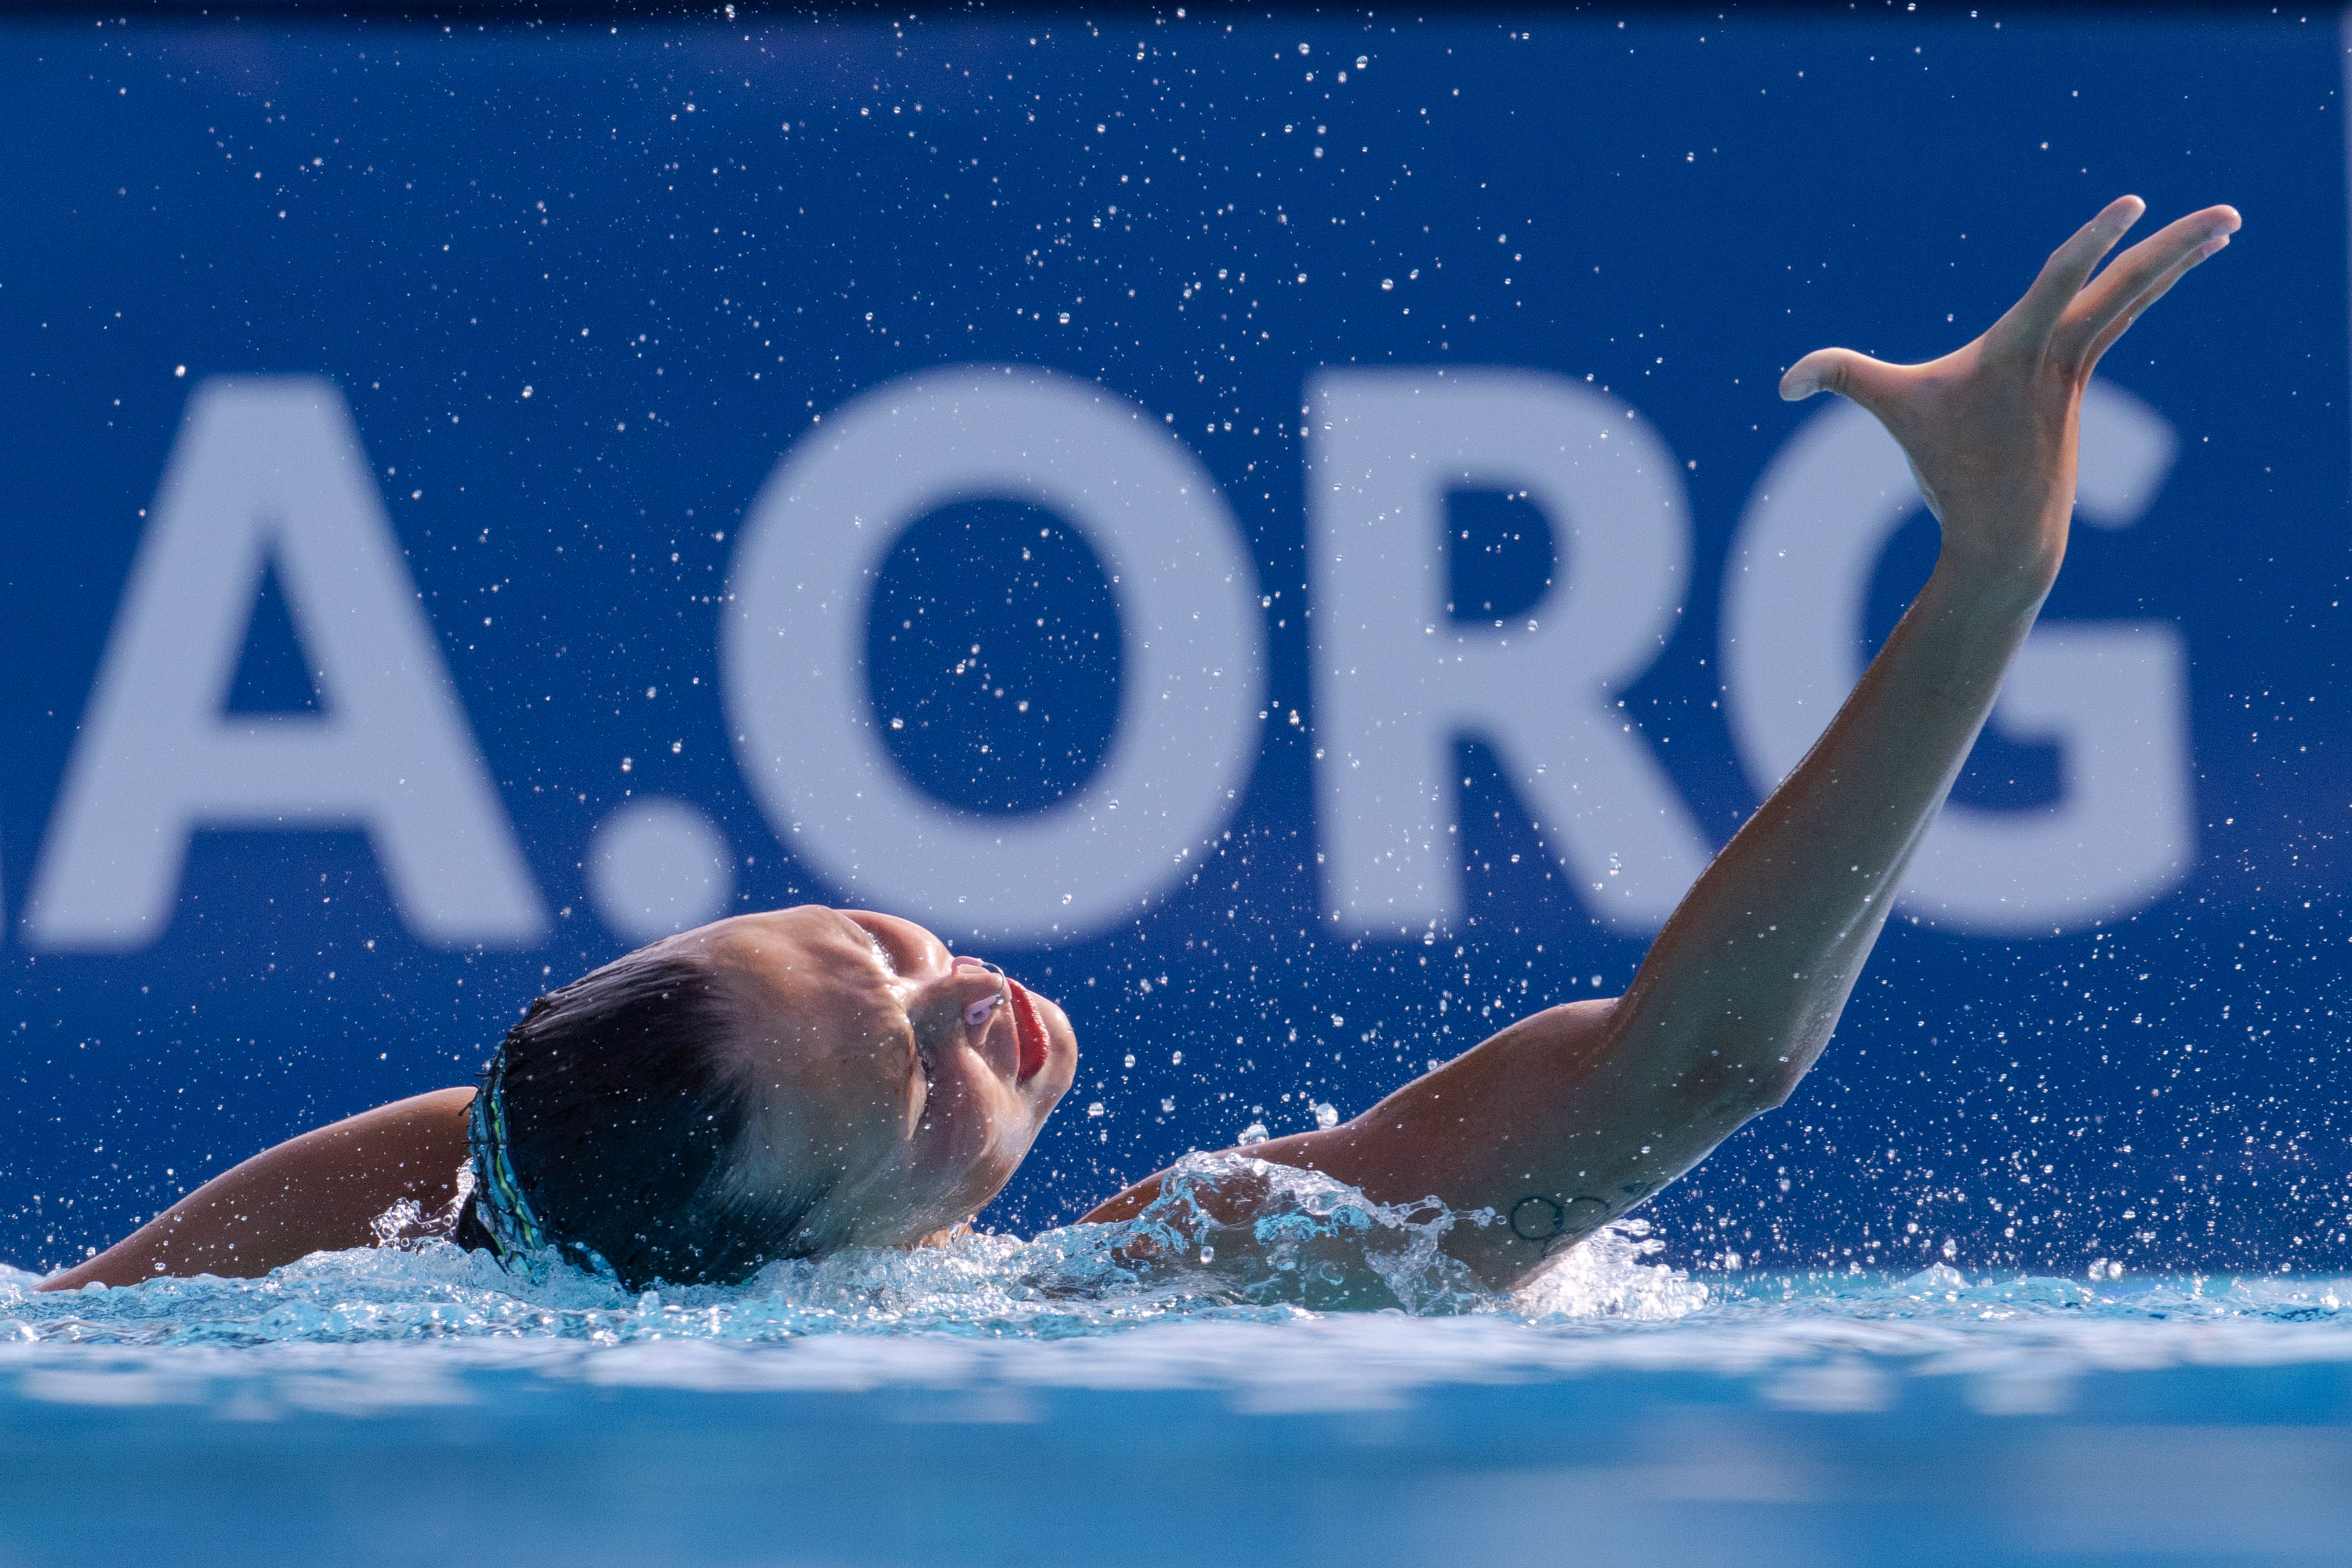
(1060, 1069)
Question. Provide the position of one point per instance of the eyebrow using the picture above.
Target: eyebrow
(881, 954)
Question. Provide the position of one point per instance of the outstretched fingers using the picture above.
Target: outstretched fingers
(2121, 323)
(2031, 319)
(2138, 278)
(2066, 320)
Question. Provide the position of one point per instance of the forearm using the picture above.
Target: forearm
(320, 1192)
(1739, 992)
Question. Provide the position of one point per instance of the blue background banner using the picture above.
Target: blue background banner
(1279, 531)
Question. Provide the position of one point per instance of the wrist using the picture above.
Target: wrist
(2002, 585)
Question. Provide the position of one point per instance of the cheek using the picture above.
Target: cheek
(971, 1121)
(878, 1096)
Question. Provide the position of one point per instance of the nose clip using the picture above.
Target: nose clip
(977, 1016)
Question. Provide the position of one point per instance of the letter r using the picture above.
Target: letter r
(1398, 678)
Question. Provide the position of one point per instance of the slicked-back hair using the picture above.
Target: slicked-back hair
(623, 1121)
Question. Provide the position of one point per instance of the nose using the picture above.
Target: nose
(978, 1014)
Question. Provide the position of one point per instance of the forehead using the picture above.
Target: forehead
(793, 949)
(813, 994)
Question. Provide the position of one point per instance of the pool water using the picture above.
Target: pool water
(1336, 1393)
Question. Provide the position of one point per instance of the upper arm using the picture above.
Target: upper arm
(1449, 1131)
(1467, 1128)
(1552, 1107)
(1560, 1108)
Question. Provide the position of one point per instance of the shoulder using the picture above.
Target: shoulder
(426, 1126)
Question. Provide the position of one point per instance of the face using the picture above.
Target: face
(903, 1082)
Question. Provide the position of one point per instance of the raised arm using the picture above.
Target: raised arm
(1569, 1117)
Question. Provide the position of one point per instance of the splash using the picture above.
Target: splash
(1309, 1244)
(1229, 1239)
(1238, 1230)
(1605, 1276)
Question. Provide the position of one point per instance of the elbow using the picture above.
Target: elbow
(1775, 1089)
(1784, 1069)
(1729, 1092)
(1775, 1061)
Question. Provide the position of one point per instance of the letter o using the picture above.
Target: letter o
(793, 653)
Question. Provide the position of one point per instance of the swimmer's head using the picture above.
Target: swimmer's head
(776, 1084)
(906, 1083)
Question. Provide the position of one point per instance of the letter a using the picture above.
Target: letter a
(269, 470)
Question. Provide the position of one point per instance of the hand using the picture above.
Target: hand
(1990, 428)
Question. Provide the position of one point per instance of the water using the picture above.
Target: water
(1100, 1394)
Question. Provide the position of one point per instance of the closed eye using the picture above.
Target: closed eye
(905, 950)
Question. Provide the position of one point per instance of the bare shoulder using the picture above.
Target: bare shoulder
(429, 1127)
(436, 1111)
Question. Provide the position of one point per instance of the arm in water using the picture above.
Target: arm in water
(320, 1192)
(1570, 1117)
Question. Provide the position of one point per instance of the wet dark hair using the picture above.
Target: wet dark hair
(621, 1121)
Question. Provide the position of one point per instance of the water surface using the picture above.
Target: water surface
(1337, 1393)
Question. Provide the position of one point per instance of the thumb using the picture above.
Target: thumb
(1843, 371)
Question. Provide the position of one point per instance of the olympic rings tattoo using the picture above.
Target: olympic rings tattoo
(1538, 1218)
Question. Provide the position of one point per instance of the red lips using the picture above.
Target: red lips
(1031, 1029)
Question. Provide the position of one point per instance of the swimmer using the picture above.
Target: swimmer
(788, 1084)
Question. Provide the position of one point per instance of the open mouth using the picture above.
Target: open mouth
(1030, 1029)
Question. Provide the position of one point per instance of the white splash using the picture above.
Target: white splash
(1605, 1275)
